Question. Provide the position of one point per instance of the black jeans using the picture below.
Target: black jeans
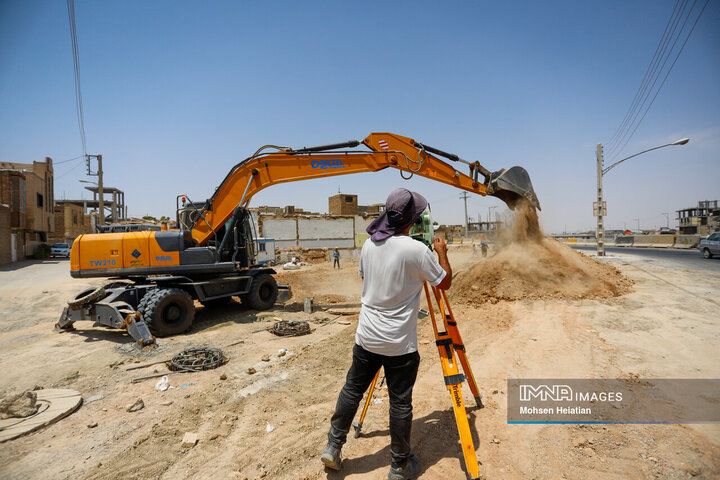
(400, 375)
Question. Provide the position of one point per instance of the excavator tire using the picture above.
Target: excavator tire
(86, 297)
(263, 292)
(167, 311)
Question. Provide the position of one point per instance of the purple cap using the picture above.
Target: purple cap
(402, 209)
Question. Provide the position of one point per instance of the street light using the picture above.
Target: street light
(600, 211)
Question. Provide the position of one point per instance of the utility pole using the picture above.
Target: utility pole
(100, 190)
(667, 219)
(489, 218)
(101, 203)
(464, 196)
(600, 233)
(638, 222)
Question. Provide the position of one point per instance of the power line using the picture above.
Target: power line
(69, 160)
(647, 91)
(57, 177)
(76, 65)
(646, 78)
(666, 77)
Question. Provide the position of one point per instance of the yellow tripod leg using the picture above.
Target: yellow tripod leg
(453, 382)
(358, 425)
(452, 328)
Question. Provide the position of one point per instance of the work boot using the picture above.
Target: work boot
(331, 457)
(409, 471)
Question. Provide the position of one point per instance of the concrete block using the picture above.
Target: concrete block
(189, 440)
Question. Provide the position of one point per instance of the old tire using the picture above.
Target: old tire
(263, 292)
(86, 297)
(706, 253)
(167, 311)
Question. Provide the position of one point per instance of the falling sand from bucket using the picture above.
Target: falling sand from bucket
(527, 265)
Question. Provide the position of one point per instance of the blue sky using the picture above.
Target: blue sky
(176, 92)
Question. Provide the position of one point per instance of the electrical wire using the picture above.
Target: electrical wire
(640, 104)
(57, 177)
(76, 66)
(652, 75)
(69, 160)
(664, 79)
(646, 78)
(625, 138)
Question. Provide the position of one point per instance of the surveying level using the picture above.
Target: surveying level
(449, 343)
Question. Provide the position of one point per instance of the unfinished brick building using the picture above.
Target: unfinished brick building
(27, 190)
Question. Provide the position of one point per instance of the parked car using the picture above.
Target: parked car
(60, 250)
(710, 246)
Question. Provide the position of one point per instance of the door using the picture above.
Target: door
(714, 243)
(13, 247)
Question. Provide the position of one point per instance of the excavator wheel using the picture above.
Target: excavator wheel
(263, 292)
(167, 311)
(91, 295)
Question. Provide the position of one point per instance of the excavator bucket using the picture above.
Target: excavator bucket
(512, 186)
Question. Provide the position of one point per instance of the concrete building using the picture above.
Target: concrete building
(27, 190)
(113, 203)
(701, 220)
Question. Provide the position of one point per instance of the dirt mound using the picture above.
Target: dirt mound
(527, 265)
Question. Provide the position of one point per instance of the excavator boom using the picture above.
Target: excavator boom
(385, 150)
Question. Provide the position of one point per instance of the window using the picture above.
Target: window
(39, 200)
(261, 247)
(348, 199)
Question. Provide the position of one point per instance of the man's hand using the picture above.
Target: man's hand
(441, 249)
(440, 246)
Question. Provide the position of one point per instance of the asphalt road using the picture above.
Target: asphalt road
(672, 258)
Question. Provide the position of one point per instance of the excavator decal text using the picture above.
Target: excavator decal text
(102, 263)
(323, 164)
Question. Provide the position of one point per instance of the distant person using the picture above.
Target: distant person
(474, 249)
(336, 258)
(483, 247)
(394, 268)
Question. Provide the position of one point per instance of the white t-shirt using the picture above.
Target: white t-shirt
(393, 272)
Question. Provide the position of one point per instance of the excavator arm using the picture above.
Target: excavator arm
(385, 150)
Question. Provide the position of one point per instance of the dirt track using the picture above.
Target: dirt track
(665, 327)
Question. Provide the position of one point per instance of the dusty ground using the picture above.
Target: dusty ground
(666, 326)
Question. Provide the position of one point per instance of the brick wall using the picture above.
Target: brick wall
(343, 204)
(70, 222)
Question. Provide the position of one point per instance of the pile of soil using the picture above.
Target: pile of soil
(527, 265)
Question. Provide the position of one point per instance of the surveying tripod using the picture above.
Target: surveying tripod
(448, 343)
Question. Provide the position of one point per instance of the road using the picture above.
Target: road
(671, 258)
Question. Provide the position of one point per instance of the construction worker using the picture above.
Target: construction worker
(394, 268)
(336, 258)
(484, 248)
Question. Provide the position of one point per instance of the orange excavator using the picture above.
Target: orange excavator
(211, 258)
